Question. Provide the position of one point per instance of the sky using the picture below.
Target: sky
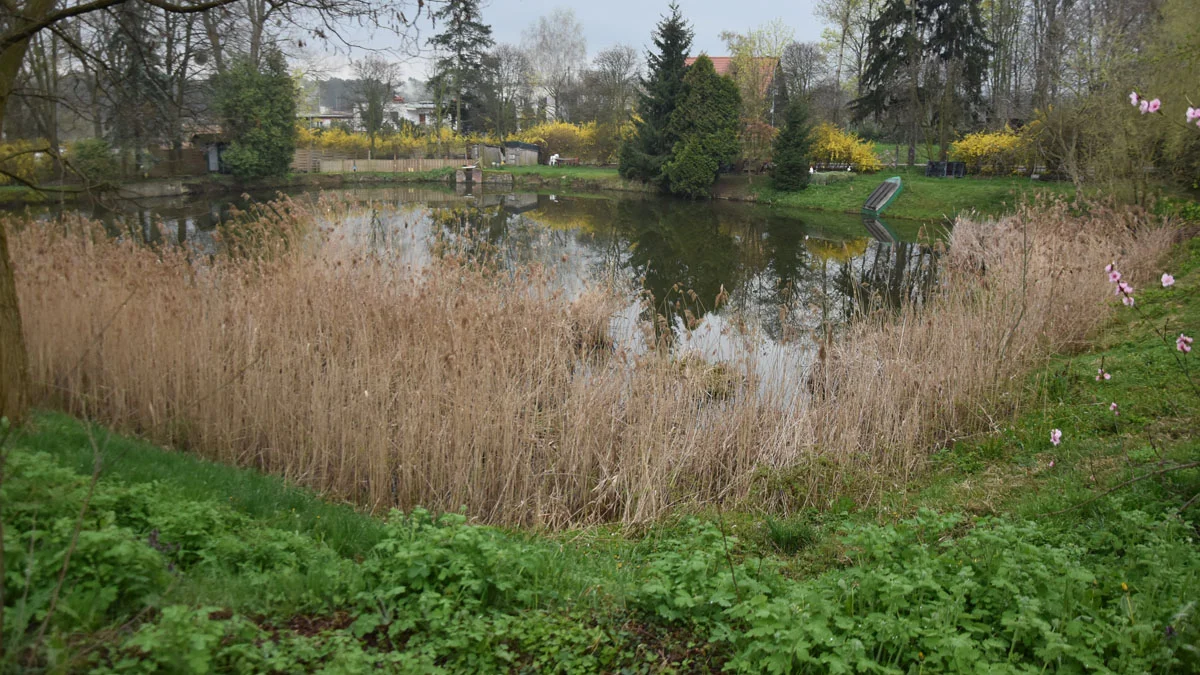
(631, 22)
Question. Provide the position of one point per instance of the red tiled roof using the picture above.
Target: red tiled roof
(724, 65)
(721, 64)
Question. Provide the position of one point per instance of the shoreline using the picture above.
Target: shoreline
(923, 199)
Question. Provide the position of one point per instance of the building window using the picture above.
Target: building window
(422, 119)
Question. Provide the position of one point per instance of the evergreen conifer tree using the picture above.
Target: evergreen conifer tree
(793, 149)
(643, 156)
(461, 45)
(706, 124)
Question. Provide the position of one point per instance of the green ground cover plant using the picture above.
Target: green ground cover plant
(1003, 558)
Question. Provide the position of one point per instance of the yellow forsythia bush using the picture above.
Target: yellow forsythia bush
(562, 138)
(991, 152)
(23, 160)
(835, 146)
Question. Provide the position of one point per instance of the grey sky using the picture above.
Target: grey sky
(608, 22)
(631, 22)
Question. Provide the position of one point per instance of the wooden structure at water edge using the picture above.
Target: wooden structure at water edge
(882, 197)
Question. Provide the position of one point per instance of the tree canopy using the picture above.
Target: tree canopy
(258, 105)
(643, 156)
(706, 123)
(793, 149)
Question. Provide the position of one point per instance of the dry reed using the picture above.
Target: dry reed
(453, 387)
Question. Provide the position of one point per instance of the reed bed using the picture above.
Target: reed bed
(452, 386)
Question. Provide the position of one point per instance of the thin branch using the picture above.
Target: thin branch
(27, 31)
(1131, 481)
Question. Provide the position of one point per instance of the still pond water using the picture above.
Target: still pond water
(786, 275)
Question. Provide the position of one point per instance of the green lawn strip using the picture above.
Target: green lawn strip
(262, 497)
(922, 198)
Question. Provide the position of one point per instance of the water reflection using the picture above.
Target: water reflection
(727, 281)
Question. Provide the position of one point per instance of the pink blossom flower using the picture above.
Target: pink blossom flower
(1051, 464)
(1124, 289)
(1110, 267)
(1056, 436)
(1116, 411)
(1167, 280)
(1144, 106)
(1133, 98)
(1128, 300)
(1114, 276)
(1154, 105)
(1193, 114)
(1183, 343)
(1101, 375)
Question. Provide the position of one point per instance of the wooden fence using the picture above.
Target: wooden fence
(308, 161)
(387, 165)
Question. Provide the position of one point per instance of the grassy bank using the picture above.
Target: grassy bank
(923, 198)
(1012, 556)
(927, 199)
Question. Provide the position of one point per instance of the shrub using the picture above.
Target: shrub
(691, 170)
(564, 139)
(23, 160)
(991, 152)
(259, 110)
(835, 146)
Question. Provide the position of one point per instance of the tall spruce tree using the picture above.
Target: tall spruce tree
(706, 123)
(793, 149)
(461, 45)
(642, 157)
(928, 60)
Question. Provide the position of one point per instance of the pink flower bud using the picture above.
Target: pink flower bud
(1133, 98)
(1183, 343)
(1115, 409)
(1144, 106)
(1056, 436)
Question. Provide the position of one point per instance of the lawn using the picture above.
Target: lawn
(1010, 554)
(922, 198)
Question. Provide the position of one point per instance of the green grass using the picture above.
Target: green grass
(584, 172)
(887, 152)
(995, 558)
(264, 498)
(928, 199)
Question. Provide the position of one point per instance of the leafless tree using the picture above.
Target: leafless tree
(557, 50)
(616, 71)
(513, 75)
(803, 65)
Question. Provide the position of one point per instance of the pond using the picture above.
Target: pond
(733, 282)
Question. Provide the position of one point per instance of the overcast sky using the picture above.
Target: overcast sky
(609, 22)
(631, 22)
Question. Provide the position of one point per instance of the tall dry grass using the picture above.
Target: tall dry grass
(451, 387)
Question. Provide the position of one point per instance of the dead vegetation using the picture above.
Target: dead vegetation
(453, 387)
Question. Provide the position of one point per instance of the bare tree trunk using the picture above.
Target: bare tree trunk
(14, 366)
(14, 360)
